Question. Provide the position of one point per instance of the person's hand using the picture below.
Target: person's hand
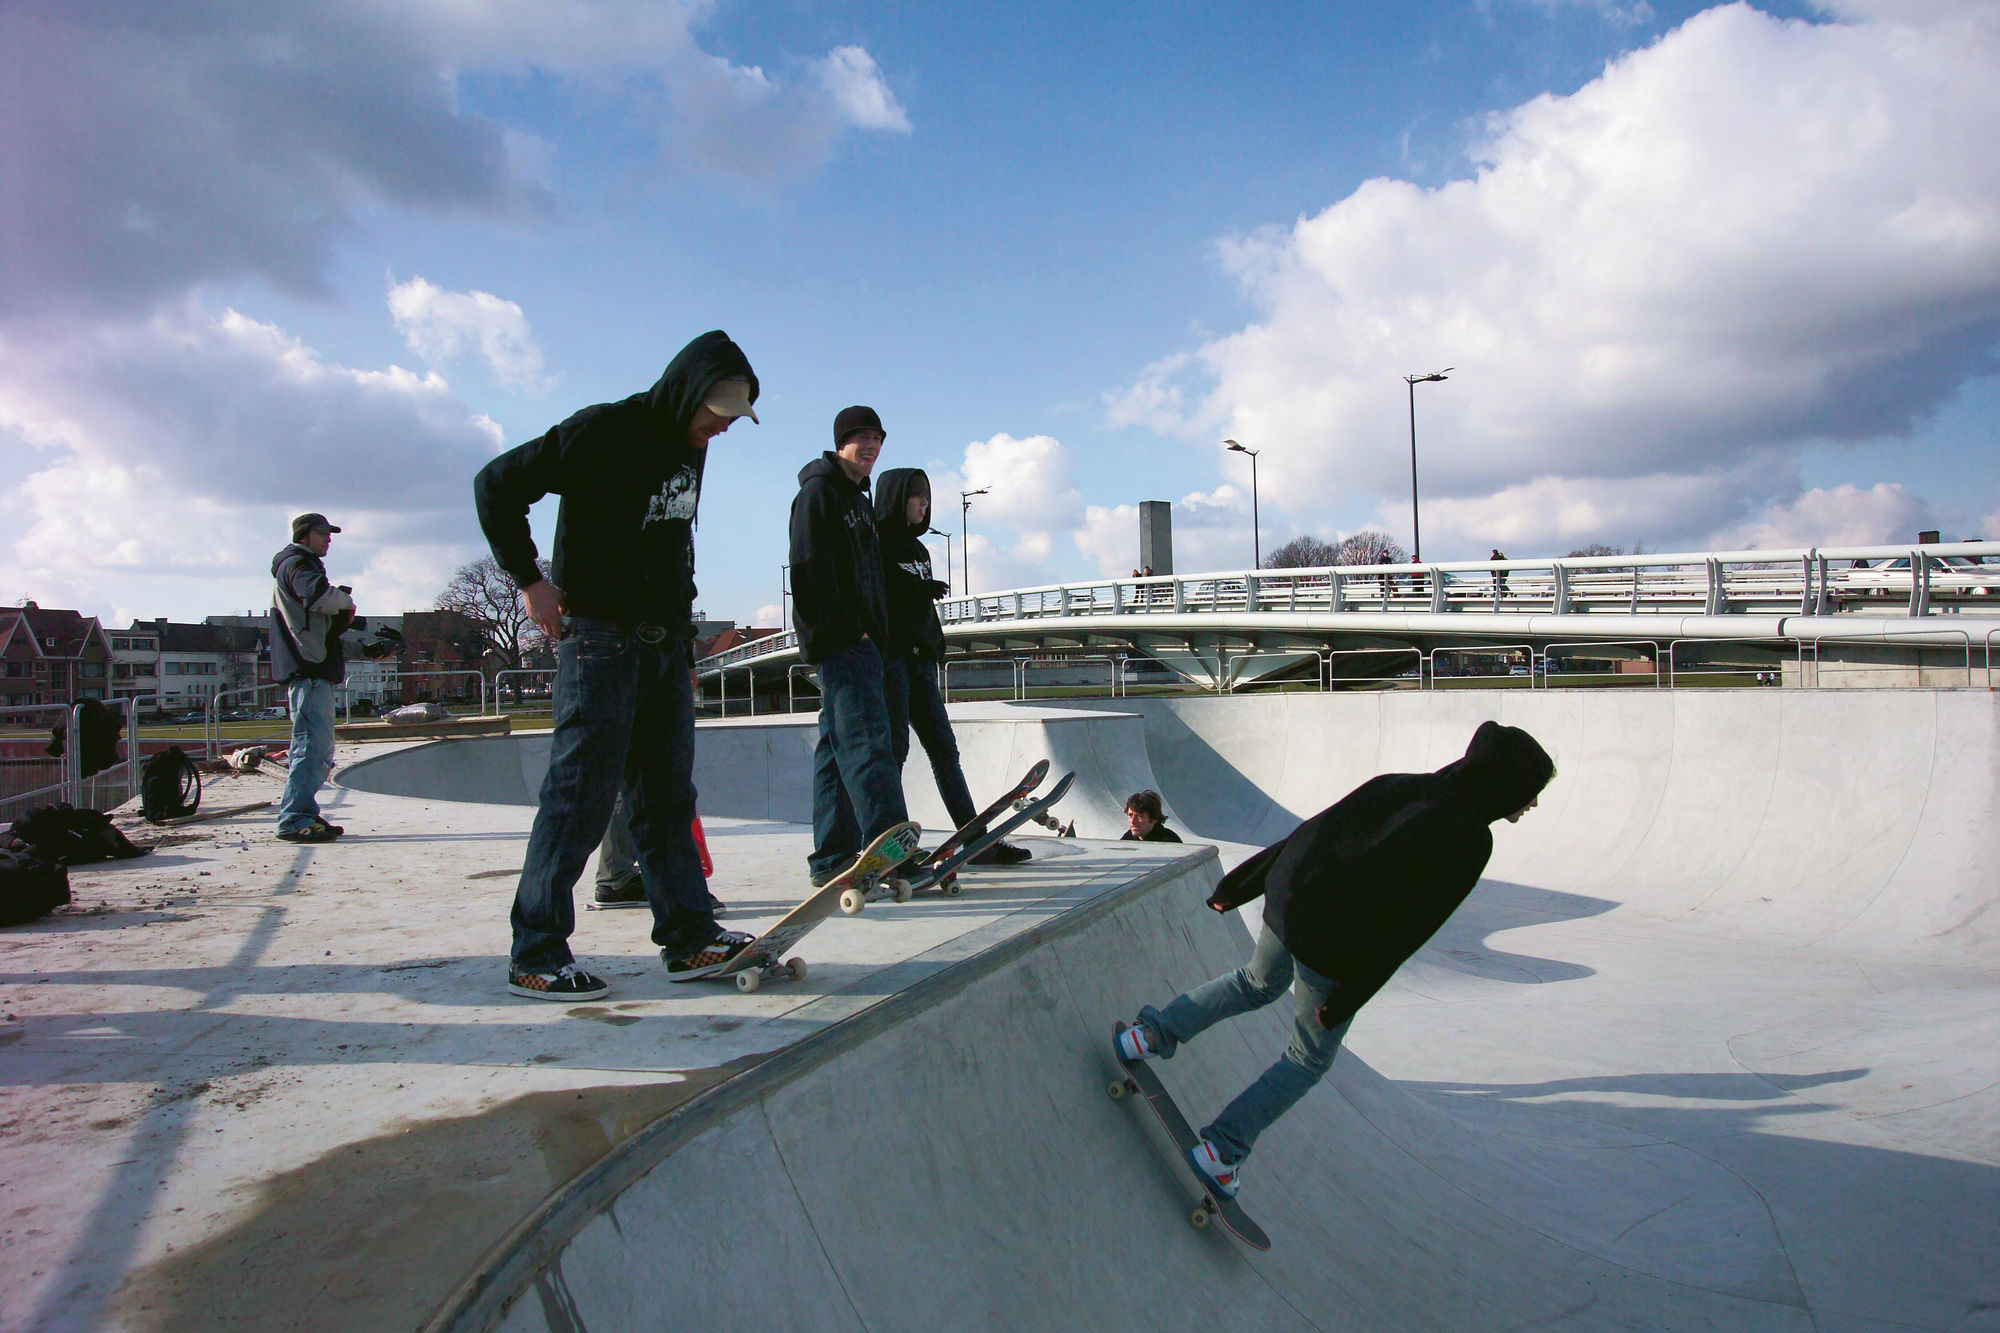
(544, 604)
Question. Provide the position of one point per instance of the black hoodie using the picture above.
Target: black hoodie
(836, 563)
(1359, 887)
(630, 483)
(911, 591)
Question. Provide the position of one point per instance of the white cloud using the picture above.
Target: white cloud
(439, 325)
(764, 617)
(1841, 516)
(1751, 236)
(852, 78)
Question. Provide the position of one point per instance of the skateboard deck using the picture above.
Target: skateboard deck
(759, 959)
(947, 849)
(943, 875)
(1214, 1207)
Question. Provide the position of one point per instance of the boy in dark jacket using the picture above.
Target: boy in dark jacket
(842, 615)
(916, 643)
(620, 598)
(308, 615)
(1348, 897)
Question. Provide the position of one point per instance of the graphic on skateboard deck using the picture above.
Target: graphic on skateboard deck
(759, 959)
(1215, 1206)
(943, 875)
(947, 849)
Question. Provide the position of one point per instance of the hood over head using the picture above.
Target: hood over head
(695, 370)
(1504, 768)
(294, 548)
(892, 496)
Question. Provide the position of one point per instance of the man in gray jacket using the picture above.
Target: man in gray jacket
(308, 616)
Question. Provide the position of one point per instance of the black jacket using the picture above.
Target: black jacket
(630, 484)
(1359, 887)
(910, 589)
(308, 616)
(1160, 833)
(837, 595)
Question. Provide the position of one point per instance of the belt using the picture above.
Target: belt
(644, 631)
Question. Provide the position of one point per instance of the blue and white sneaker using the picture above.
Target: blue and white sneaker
(1134, 1043)
(1222, 1177)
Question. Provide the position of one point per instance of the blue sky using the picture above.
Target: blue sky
(1708, 276)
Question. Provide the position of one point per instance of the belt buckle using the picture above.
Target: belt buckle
(650, 633)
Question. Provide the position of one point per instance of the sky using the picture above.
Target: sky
(1705, 278)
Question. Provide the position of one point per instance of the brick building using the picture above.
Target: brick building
(51, 656)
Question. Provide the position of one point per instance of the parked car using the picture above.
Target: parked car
(183, 719)
(1950, 575)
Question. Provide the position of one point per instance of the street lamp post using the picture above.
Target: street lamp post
(964, 518)
(784, 595)
(1256, 531)
(1416, 528)
(937, 532)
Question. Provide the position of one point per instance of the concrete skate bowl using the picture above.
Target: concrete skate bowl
(1712, 1046)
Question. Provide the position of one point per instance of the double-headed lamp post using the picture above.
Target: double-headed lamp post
(1416, 528)
(964, 519)
(1256, 534)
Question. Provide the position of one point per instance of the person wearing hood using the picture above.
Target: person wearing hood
(308, 616)
(619, 599)
(842, 615)
(1349, 895)
(915, 645)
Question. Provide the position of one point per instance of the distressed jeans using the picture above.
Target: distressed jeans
(624, 717)
(1259, 982)
(857, 784)
(910, 687)
(311, 755)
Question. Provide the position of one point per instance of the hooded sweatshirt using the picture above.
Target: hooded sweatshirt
(630, 483)
(837, 592)
(911, 590)
(308, 615)
(1359, 887)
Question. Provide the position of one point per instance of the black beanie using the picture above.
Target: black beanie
(852, 419)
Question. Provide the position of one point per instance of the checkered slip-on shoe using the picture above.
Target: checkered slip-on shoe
(568, 982)
(709, 959)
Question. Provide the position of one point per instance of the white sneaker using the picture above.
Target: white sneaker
(1134, 1043)
(1225, 1179)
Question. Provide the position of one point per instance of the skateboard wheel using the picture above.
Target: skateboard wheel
(852, 901)
(1116, 1090)
(796, 968)
(1198, 1219)
(748, 980)
(901, 890)
(950, 886)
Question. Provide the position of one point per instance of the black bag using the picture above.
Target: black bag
(71, 837)
(97, 736)
(30, 888)
(169, 786)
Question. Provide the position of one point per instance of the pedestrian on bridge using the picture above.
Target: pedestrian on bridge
(1349, 895)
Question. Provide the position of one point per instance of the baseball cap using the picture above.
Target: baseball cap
(305, 523)
(731, 398)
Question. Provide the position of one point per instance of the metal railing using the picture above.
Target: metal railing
(1507, 650)
(500, 688)
(1595, 649)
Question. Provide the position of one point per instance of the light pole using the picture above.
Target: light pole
(1256, 535)
(784, 595)
(964, 513)
(935, 532)
(1416, 529)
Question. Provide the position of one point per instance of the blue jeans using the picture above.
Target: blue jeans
(618, 854)
(311, 753)
(910, 688)
(624, 717)
(857, 784)
(1257, 983)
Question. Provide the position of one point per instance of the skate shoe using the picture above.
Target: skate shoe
(1208, 1164)
(631, 893)
(1135, 1043)
(1002, 853)
(709, 959)
(568, 982)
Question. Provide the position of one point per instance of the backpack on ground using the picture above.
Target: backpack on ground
(169, 786)
(30, 888)
(70, 837)
(97, 736)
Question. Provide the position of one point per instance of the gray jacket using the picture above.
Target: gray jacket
(308, 615)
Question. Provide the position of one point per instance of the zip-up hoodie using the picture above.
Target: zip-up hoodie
(908, 585)
(837, 593)
(308, 615)
(630, 483)
(1359, 887)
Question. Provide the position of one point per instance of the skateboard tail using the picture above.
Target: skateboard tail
(1029, 781)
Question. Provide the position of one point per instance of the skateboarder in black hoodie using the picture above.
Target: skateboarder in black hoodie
(916, 642)
(620, 597)
(1348, 897)
(843, 624)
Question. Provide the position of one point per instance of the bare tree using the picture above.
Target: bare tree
(1305, 552)
(1595, 548)
(1368, 546)
(486, 595)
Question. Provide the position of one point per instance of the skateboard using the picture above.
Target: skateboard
(943, 875)
(947, 849)
(1214, 1206)
(759, 960)
(1051, 823)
